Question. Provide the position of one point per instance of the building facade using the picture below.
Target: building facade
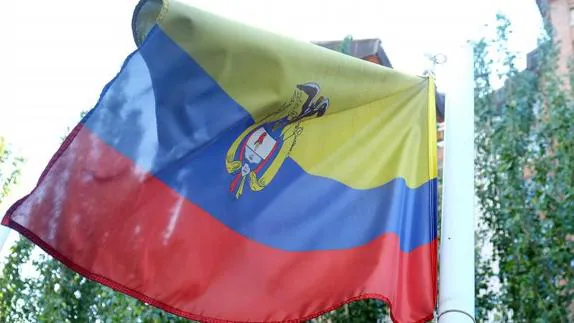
(561, 14)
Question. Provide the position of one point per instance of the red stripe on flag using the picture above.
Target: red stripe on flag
(99, 215)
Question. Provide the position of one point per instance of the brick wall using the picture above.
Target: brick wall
(563, 23)
(562, 20)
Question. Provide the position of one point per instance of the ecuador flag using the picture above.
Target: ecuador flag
(231, 175)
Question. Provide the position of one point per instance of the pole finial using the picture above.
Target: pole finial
(434, 59)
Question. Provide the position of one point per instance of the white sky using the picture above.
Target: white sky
(55, 57)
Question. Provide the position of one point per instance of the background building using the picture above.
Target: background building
(561, 15)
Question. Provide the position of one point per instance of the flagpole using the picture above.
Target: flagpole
(456, 256)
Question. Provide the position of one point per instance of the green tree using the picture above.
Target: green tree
(524, 168)
(364, 311)
(345, 46)
(11, 282)
(9, 169)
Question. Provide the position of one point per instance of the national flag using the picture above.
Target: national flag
(229, 174)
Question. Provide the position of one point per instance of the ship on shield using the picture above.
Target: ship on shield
(258, 153)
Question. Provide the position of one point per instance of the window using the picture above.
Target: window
(572, 16)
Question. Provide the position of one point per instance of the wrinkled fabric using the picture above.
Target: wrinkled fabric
(229, 174)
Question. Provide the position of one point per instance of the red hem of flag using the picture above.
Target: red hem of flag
(118, 287)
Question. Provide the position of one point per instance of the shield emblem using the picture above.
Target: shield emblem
(259, 146)
(258, 153)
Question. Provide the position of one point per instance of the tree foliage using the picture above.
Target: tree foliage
(524, 168)
(9, 169)
(345, 46)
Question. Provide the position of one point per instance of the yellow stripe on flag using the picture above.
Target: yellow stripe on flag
(379, 124)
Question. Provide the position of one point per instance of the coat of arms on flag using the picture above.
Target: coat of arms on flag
(258, 153)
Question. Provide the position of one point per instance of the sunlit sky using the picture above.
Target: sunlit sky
(56, 57)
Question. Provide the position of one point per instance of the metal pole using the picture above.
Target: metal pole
(456, 262)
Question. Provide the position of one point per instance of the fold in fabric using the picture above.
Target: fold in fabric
(231, 175)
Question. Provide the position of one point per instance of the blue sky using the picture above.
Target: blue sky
(56, 58)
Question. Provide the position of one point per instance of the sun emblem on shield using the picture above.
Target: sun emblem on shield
(259, 152)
